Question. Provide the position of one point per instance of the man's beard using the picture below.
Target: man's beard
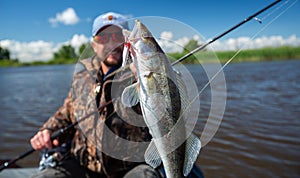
(113, 64)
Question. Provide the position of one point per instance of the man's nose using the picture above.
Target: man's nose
(112, 44)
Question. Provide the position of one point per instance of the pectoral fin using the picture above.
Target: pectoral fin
(152, 156)
(193, 146)
(130, 95)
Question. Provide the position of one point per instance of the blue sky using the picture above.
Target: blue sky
(27, 23)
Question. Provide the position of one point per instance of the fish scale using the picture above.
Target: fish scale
(162, 100)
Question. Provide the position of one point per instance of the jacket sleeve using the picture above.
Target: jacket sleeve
(63, 117)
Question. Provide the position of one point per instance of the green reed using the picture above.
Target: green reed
(253, 55)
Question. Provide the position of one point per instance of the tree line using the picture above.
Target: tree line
(4, 54)
(68, 55)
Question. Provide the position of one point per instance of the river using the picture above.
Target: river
(259, 135)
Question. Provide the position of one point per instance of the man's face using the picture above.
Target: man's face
(108, 45)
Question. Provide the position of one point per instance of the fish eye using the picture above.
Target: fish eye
(146, 35)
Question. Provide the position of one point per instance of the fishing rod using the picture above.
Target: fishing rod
(253, 16)
(61, 131)
(53, 136)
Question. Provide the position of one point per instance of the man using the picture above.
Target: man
(85, 160)
(90, 156)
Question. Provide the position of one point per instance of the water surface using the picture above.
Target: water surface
(258, 136)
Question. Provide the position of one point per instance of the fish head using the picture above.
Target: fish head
(145, 50)
(142, 37)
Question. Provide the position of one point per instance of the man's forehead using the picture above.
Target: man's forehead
(110, 28)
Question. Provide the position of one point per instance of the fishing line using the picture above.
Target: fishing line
(207, 129)
(255, 35)
(277, 8)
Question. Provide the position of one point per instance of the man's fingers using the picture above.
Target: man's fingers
(55, 142)
(46, 138)
(35, 143)
(41, 140)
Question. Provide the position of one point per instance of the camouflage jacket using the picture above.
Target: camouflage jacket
(111, 141)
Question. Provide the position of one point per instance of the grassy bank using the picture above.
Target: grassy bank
(255, 55)
(264, 54)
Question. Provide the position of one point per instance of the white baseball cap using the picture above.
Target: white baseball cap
(109, 18)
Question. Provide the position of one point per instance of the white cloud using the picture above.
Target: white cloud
(248, 43)
(39, 50)
(166, 35)
(176, 45)
(67, 17)
(30, 51)
(169, 45)
(43, 51)
(78, 40)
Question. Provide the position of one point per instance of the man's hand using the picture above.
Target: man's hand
(43, 140)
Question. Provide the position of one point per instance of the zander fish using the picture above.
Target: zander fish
(162, 97)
